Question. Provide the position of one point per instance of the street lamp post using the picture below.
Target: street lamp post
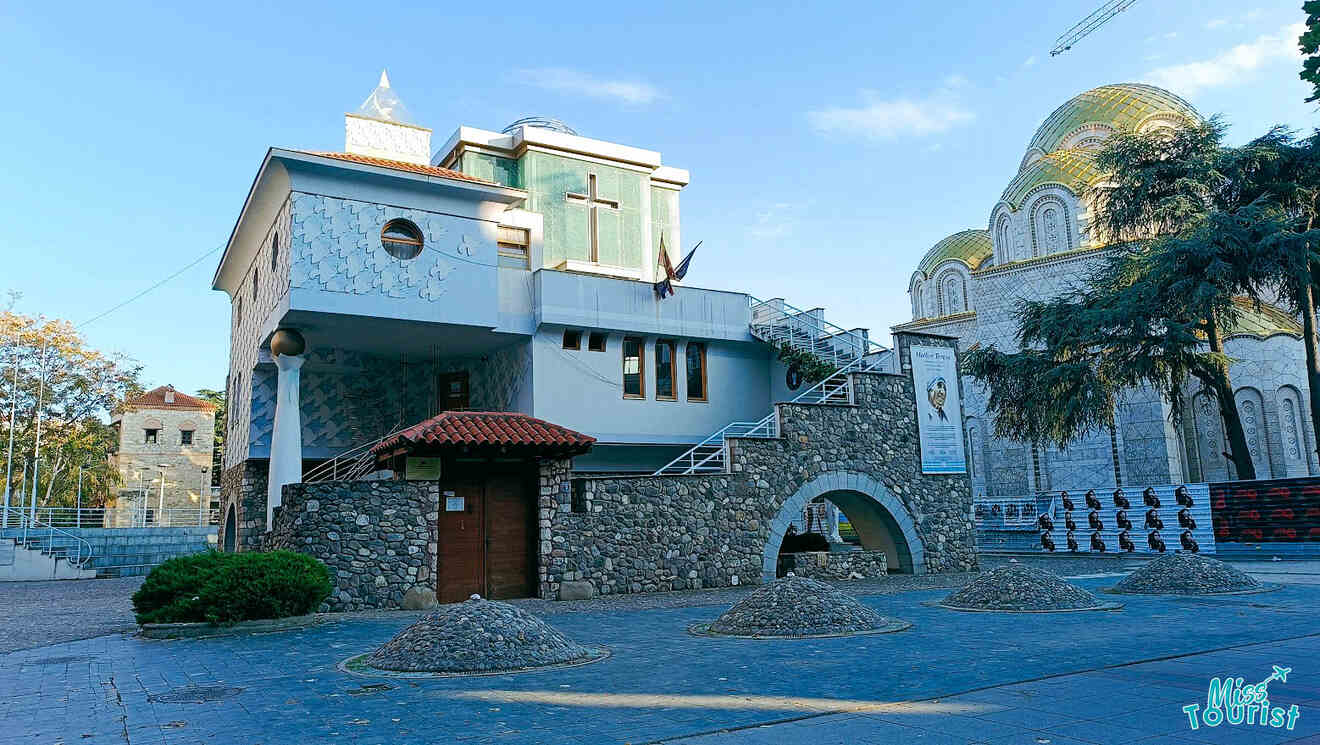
(77, 511)
(160, 506)
(203, 499)
(13, 419)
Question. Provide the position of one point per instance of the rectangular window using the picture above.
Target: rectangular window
(696, 371)
(596, 342)
(633, 380)
(572, 339)
(185, 436)
(664, 369)
(513, 244)
(149, 436)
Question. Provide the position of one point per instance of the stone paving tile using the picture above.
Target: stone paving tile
(661, 684)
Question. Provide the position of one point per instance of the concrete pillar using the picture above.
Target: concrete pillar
(287, 346)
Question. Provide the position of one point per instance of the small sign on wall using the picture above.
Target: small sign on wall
(422, 469)
(454, 504)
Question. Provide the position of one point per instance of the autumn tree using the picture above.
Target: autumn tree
(74, 387)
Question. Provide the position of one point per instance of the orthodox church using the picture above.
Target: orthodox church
(1037, 241)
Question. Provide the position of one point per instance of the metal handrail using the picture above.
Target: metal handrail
(833, 387)
(137, 516)
(360, 456)
(868, 345)
(31, 526)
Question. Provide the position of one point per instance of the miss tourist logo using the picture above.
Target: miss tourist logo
(1230, 701)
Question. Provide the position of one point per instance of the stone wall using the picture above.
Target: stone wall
(837, 565)
(377, 537)
(244, 487)
(649, 534)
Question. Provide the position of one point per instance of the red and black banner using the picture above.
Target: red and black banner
(1273, 511)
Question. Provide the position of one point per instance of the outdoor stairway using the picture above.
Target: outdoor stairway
(41, 552)
(780, 324)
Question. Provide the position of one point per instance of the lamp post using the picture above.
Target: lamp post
(160, 505)
(203, 499)
(13, 413)
(77, 511)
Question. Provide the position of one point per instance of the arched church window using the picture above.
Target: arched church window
(1003, 240)
(274, 251)
(1050, 228)
(954, 297)
(401, 239)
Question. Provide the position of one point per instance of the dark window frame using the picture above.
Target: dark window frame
(641, 366)
(576, 336)
(687, 371)
(412, 244)
(185, 437)
(150, 435)
(603, 337)
(672, 345)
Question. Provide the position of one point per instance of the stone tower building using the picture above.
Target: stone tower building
(164, 432)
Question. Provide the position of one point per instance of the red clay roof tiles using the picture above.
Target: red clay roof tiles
(488, 428)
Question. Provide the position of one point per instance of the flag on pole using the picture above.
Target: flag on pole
(665, 287)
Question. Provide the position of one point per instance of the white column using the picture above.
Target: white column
(286, 439)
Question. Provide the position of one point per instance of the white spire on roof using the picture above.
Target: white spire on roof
(384, 103)
(383, 128)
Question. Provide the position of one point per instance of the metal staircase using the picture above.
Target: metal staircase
(777, 323)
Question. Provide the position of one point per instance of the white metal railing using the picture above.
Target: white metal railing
(116, 517)
(777, 322)
(30, 532)
(348, 465)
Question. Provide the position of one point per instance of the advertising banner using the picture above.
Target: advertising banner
(939, 410)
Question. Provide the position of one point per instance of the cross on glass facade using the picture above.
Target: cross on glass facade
(593, 202)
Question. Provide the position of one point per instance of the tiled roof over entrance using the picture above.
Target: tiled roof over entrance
(500, 429)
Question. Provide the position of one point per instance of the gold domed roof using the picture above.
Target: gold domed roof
(1123, 107)
(1263, 320)
(971, 247)
(1074, 169)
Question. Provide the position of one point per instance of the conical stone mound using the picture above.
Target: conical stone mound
(1187, 574)
(477, 636)
(1021, 588)
(798, 606)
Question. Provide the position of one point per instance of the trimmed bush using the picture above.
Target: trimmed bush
(225, 588)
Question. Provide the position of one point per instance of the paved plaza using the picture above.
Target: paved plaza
(1091, 677)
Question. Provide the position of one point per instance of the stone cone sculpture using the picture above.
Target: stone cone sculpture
(477, 636)
(1187, 574)
(798, 606)
(1021, 588)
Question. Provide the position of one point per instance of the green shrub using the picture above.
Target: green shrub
(228, 588)
(265, 585)
(172, 592)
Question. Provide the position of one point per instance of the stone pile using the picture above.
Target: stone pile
(478, 636)
(1021, 588)
(798, 606)
(1187, 574)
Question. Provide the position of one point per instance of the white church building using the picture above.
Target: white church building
(1037, 241)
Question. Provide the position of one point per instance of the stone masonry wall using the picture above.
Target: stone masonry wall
(648, 534)
(377, 537)
(244, 486)
(838, 565)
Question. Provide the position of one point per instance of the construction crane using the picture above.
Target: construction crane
(1089, 24)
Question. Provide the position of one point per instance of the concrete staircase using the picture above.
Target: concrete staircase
(779, 324)
(39, 558)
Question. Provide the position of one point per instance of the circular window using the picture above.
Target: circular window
(401, 239)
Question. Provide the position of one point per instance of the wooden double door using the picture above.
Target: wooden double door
(487, 535)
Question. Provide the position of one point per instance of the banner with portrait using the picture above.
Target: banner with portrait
(939, 409)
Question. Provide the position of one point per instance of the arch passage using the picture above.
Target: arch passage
(231, 529)
(881, 521)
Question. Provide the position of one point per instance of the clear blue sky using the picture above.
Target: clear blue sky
(830, 144)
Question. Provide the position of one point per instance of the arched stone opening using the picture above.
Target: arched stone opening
(881, 521)
(231, 529)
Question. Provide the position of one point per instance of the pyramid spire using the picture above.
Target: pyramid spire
(384, 104)
(383, 128)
